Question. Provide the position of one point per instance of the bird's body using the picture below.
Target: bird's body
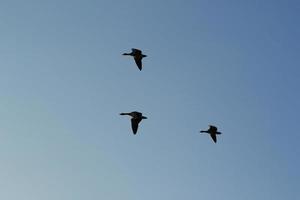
(213, 132)
(137, 55)
(135, 120)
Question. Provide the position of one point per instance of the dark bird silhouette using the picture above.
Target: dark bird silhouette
(213, 132)
(135, 120)
(137, 55)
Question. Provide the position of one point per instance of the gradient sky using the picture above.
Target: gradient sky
(64, 81)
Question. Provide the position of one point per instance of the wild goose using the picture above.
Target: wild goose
(213, 132)
(137, 55)
(135, 120)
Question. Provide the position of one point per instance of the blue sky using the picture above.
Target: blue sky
(63, 83)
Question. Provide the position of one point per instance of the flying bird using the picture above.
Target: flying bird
(213, 132)
(135, 120)
(137, 55)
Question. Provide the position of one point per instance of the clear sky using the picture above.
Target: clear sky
(64, 81)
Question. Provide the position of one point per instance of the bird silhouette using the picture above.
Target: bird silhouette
(137, 55)
(135, 120)
(213, 132)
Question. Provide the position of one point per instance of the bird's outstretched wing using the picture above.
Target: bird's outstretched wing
(135, 125)
(138, 62)
(213, 128)
(136, 51)
(214, 137)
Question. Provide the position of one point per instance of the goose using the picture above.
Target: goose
(135, 120)
(137, 55)
(213, 132)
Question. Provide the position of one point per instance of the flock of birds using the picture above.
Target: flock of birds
(137, 117)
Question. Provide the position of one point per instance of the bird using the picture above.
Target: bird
(137, 55)
(135, 120)
(213, 131)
